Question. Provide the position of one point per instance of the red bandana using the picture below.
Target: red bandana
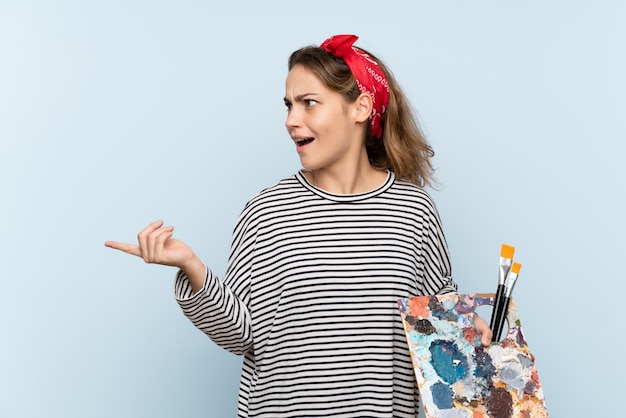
(369, 76)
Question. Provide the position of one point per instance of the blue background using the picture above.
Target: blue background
(117, 113)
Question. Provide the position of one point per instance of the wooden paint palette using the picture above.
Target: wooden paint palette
(456, 375)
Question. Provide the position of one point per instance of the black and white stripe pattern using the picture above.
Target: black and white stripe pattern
(310, 298)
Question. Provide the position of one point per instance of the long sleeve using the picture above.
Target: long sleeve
(220, 308)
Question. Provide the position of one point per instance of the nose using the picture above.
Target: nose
(293, 119)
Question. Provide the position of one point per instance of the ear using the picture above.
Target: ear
(363, 106)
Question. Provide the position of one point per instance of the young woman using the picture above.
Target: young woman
(319, 260)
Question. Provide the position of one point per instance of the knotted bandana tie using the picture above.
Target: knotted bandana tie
(369, 76)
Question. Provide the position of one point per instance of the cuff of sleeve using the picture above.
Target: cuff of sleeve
(451, 287)
(182, 288)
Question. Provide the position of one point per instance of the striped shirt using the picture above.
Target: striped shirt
(310, 294)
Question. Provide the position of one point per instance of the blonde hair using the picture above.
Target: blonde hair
(403, 148)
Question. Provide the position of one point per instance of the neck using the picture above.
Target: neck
(360, 178)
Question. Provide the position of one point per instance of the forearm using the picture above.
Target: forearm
(216, 311)
(196, 272)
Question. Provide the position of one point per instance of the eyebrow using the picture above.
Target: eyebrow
(300, 97)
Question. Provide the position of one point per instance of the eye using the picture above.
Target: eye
(310, 102)
(288, 105)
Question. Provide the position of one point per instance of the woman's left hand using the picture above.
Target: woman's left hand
(483, 329)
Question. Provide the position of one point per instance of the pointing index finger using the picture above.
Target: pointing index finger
(127, 248)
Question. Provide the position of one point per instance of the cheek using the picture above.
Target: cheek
(328, 123)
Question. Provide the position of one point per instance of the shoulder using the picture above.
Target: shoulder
(407, 193)
(285, 189)
(283, 194)
(412, 200)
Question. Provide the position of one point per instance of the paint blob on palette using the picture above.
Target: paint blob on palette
(456, 375)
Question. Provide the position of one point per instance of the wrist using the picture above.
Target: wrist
(196, 271)
(191, 265)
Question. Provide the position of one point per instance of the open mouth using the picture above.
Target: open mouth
(303, 141)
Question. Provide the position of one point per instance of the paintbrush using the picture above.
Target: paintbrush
(506, 260)
(511, 279)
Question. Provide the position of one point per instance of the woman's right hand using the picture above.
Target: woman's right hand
(157, 246)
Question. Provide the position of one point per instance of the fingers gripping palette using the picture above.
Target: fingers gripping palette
(456, 375)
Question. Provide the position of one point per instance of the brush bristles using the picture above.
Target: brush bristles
(515, 268)
(507, 251)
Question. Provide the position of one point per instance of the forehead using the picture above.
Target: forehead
(301, 80)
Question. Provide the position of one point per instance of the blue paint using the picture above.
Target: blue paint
(442, 395)
(530, 387)
(439, 311)
(448, 361)
(525, 361)
(485, 368)
(484, 372)
(511, 375)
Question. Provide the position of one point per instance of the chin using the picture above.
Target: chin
(306, 164)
